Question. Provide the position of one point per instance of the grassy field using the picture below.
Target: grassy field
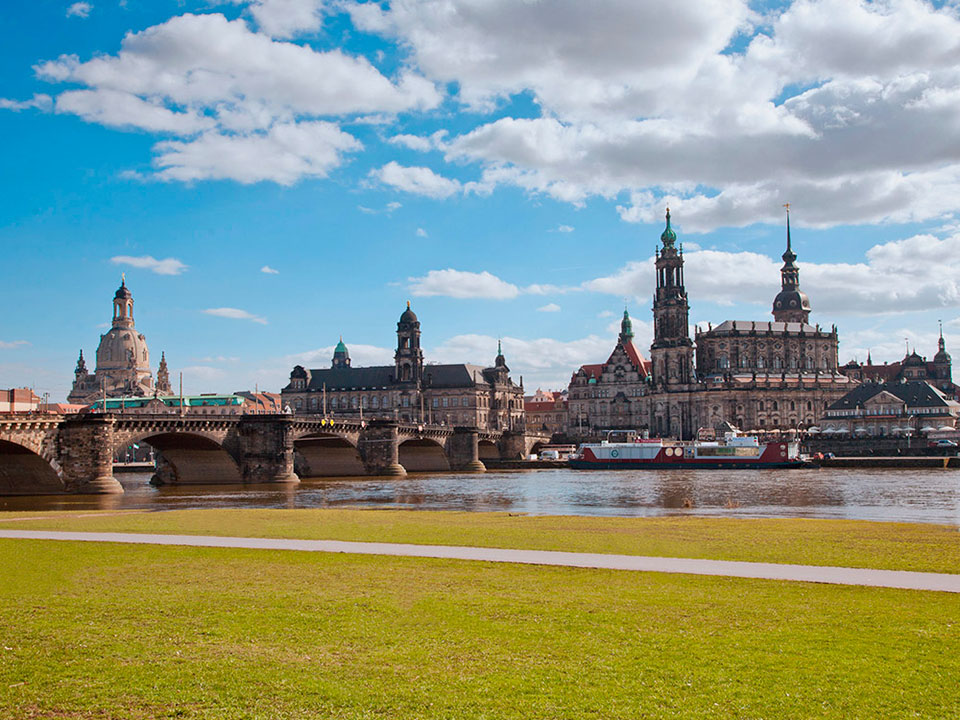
(100, 631)
(899, 546)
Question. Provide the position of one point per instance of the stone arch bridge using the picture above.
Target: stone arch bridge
(46, 454)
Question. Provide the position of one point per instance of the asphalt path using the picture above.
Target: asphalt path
(902, 579)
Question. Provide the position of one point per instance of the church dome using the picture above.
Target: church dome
(791, 300)
(409, 316)
(122, 348)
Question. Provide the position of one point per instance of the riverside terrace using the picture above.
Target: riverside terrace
(49, 454)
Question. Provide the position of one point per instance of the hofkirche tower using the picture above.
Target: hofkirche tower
(123, 360)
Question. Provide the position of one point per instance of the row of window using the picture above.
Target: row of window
(723, 362)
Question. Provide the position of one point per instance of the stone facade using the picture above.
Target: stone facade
(410, 390)
(546, 411)
(754, 375)
(123, 360)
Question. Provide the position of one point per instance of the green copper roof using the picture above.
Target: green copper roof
(668, 236)
(626, 326)
(341, 349)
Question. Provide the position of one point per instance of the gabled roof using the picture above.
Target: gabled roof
(915, 394)
(639, 362)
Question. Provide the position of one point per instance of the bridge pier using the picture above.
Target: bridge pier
(86, 455)
(513, 446)
(379, 447)
(266, 449)
(463, 451)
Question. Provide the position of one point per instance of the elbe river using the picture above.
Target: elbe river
(920, 495)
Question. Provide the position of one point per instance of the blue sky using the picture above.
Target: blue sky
(502, 165)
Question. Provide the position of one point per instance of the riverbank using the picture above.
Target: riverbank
(899, 462)
(107, 630)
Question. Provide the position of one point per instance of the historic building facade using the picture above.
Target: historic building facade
(410, 390)
(123, 360)
(607, 395)
(754, 375)
(546, 411)
(938, 372)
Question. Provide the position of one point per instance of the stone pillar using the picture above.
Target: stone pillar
(165, 473)
(379, 447)
(513, 446)
(266, 449)
(462, 451)
(86, 454)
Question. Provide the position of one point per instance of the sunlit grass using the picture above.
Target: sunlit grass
(94, 630)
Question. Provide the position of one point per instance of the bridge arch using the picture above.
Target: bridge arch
(26, 470)
(422, 455)
(186, 457)
(326, 454)
(487, 450)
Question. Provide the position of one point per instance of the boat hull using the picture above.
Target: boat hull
(693, 464)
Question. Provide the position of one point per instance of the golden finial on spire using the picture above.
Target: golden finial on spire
(123, 278)
(408, 304)
(787, 206)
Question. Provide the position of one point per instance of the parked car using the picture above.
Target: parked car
(942, 443)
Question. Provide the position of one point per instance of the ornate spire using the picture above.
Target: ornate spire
(668, 237)
(626, 327)
(163, 377)
(789, 257)
(81, 365)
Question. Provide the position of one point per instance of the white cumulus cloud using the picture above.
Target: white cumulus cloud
(549, 308)
(269, 270)
(79, 9)
(167, 266)
(416, 180)
(462, 284)
(235, 314)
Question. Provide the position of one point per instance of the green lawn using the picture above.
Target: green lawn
(94, 630)
(900, 546)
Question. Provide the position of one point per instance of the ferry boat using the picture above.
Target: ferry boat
(734, 451)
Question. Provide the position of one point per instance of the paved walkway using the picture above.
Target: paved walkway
(767, 571)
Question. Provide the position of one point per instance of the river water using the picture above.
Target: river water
(921, 495)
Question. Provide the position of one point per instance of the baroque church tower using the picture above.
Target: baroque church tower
(672, 349)
(791, 304)
(408, 359)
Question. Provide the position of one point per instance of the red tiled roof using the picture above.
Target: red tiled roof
(642, 365)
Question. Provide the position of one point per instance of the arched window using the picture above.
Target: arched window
(793, 405)
(744, 361)
(774, 406)
(793, 362)
(374, 402)
(363, 401)
(809, 363)
(809, 405)
(353, 402)
(760, 405)
(760, 361)
(333, 401)
(777, 362)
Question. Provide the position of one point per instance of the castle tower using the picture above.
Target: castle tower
(341, 357)
(791, 304)
(409, 357)
(942, 362)
(672, 349)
